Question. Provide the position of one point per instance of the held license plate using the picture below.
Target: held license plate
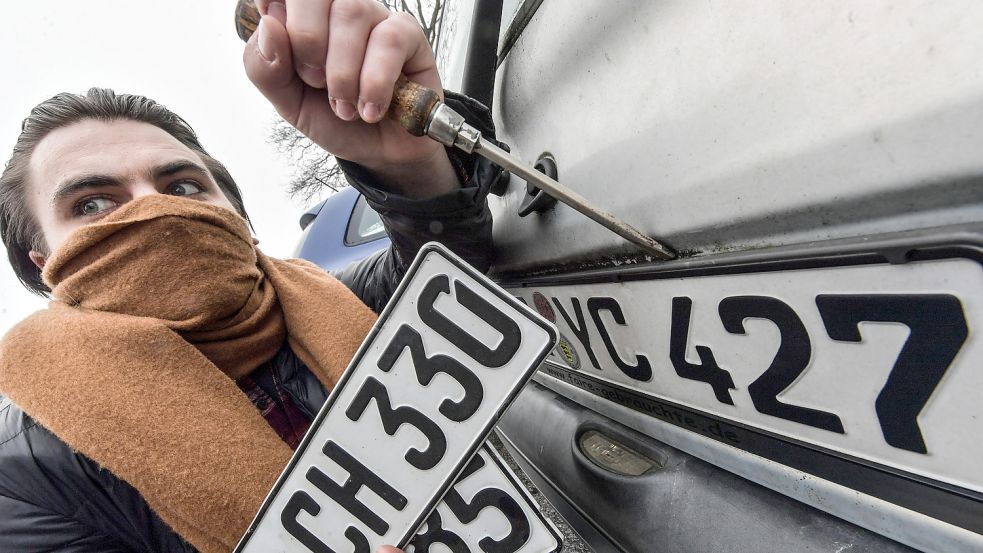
(446, 358)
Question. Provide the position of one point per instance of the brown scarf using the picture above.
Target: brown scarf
(158, 307)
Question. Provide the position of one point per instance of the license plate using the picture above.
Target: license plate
(445, 359)
(487, 509)
(876, 363)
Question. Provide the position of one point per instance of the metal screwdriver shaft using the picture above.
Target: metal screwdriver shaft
(568, 196)
(421, 112)
(448, 127)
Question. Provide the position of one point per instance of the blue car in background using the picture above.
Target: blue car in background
(340, 230)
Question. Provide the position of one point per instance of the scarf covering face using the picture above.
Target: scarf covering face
(158, 307)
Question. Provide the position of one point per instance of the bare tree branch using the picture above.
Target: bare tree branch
(419, 15)
(314, 170)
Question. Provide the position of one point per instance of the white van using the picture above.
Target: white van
(807, 375)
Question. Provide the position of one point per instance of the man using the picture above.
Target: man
(153, 404)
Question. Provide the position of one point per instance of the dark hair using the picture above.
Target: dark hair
(19, 230)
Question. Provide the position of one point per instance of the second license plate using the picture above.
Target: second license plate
(487, 509)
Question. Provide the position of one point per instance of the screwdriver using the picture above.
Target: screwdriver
(420, 111)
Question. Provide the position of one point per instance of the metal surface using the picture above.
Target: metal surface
(720, 127)
(448, 127)
(689, 506)
(572, 199)
(740, 134)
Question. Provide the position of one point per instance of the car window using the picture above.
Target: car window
(365, 225)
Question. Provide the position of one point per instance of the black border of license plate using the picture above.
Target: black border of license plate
(369, 339)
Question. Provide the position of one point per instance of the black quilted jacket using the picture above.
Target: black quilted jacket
(55, 500)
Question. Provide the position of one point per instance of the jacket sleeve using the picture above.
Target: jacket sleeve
(54, 499)
(459, 220)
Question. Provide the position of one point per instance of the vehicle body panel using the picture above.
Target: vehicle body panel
(719, 127)
(689, 506)
(736, 133)
(743, 136)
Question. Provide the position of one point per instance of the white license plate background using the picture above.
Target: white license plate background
(367, 441)
(843, 378)
(495, 522)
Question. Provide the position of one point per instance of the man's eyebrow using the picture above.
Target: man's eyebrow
(82, 182)
(175, 167)
(73, 185)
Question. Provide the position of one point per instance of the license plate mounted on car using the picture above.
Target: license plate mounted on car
(852, 361)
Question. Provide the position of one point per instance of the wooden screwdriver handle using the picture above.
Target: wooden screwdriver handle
(411, 103)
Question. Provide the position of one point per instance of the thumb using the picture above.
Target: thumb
(269, 65)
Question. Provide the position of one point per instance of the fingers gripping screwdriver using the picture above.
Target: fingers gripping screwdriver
(421, 112)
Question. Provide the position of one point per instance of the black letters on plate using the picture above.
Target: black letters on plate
(495, 498)
(485, 311)
(392, 419)
(436, 533)
(937, 333)
(358, 476)
(426, 368)
(792, 358)
(640, 371)
(708, 370)
(300, 501)
(579, 329)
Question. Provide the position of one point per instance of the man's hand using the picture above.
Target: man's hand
(329, 68)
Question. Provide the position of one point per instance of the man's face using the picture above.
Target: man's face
(82, 172)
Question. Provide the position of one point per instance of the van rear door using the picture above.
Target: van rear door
(818, 169)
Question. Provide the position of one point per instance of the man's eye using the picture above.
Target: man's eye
(93, 206)
(185, 188)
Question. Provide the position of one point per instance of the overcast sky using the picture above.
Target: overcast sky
(184, 54)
